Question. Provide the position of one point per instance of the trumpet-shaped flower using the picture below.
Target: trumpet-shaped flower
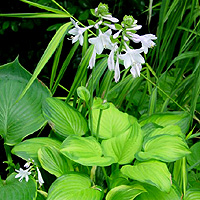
(146, 40)
(40, 179)
(102, 41)
(23, 174)
(133, 58)
(77, 32)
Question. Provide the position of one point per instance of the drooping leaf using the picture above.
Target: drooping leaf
(124, 146)
(53, 161)
(73, 186)
(29, 148)
(167, 148)
(125, 192)
(63, 118)
(153, 193)
(113, 122)
(152, 172)
(86, 151)
(13, 189)
(194, 158)
(22, 118)
(169, 118)
(83, 93)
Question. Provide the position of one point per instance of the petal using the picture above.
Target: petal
(116, 35)
(111, 62)
(92, 60)
(26, 177)
(81, 40)
(117, 71)
(73, 31)
(110, 18)
(75, 39)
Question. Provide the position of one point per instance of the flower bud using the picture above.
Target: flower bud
(128, 20)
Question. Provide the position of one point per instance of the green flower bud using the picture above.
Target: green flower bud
(128, 20)
(102, 9)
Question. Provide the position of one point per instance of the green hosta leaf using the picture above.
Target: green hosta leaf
(29, 148)
(63, 118)
(53, 161)
(167, 148)
(125, 192)
(194, 158)
(73, 187)
(173, 130)
(152, 172)
(154, 193)
(83, 93)
(13, 189)
(113, 122)
(124, 146)
(22, 118)
(192, 194)
(86, 151)
(181, 119)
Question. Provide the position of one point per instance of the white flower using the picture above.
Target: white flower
(28, 163)
(110, 18)
(111, 26)
(131, 57)
(117, 70)
(78, 32)
(135, 70)
(116, 35)
(92, 60)
(102, 41)
(23, 174)
(146, 40)
(40, 179)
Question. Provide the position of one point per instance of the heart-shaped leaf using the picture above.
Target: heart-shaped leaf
(181, 119)
(73, 186)
(63, 118)
(125, 192)
(152, 172)
(153, 193)
(124, 146)
(167, 148)
(22, 118)
(112, 123)
(13, 189)
(53, 161)
(86, 151)
(29, 148)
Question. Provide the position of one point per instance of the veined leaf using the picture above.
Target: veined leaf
(53, 161)
(73, 186)
(86, 151)
(192, 194)
(167, 148)
(125, 192)
(22, 118)
(153, 193)
(124, 146)
(63, 118)
(112, 123)
(29, 148)
(152, 172)
(169, 118)
(13, 189)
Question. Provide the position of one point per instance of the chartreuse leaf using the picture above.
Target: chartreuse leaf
(167, 148)
(13, 189)
(19, 119)
(125, 192)
(192, 194)
(41, 195)
(194, 158)
(63, 118)
(181, 119)
(29, 148)
(153, 193)
(152, 172)
(53, 161)
(124, 146)
(73, 186)
(85, 150)
(112, 123)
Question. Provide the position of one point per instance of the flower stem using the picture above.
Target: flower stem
(9, 158)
